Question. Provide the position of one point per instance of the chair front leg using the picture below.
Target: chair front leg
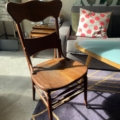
(33, 90)
(49, 106)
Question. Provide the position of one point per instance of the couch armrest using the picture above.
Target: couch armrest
(64, 34)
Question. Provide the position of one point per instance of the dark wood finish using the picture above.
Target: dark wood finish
(41, 30)
(44, 27)
(56, 73)
(36, 35)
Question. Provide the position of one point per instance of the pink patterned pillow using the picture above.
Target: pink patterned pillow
(93, 24)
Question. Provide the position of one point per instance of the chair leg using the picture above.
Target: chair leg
(49, 107)
(85, 90)
(33, 89)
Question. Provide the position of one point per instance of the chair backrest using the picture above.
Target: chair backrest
(36, 11)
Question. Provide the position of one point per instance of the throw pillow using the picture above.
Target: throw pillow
(93, 24)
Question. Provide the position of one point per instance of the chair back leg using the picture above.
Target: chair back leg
(49, 106)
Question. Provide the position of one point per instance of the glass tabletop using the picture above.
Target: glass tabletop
(105, 48)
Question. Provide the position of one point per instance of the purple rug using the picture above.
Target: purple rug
(103, 100)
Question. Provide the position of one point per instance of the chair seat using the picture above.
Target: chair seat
(57, 73)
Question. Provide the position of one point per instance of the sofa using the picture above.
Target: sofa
(68, 38)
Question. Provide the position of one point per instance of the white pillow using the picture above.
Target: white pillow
(93, 24)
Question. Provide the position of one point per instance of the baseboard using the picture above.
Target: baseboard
(8, 45)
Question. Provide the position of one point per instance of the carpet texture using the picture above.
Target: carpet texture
(16, 93)
(15, 85)
(103, 100)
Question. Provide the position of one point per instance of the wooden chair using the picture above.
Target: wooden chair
(57, 73)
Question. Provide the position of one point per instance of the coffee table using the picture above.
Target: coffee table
(105, 50)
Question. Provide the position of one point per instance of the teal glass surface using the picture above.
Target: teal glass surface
(106, 48)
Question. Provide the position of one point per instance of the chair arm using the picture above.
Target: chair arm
(64, 34)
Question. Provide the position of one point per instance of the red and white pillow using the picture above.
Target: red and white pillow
(93, 24)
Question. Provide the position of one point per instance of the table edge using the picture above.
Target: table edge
(109, 62)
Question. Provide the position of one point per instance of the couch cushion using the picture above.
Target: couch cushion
(93, 24)
(75, 21)
(72, 40)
